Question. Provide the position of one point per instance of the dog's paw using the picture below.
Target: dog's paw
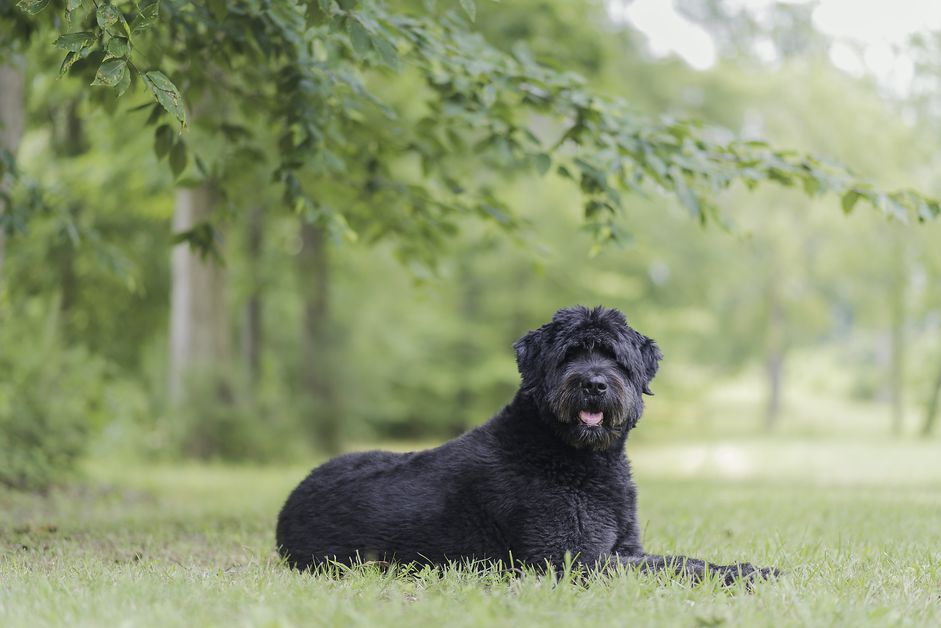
(746, 572)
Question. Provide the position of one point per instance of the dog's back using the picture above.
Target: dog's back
(379, 505)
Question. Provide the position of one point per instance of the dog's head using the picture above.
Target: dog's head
(586, 371)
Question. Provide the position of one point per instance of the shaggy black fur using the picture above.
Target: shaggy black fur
(545, 477)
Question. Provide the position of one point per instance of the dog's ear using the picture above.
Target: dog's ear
(528, 357)
(641, 357)
(650, 356)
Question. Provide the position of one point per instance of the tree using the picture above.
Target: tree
(199, 331)
(931, 409)
(12, 119)
(305, 94)
(302, 67)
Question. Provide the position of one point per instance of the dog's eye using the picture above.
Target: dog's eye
(573, 354)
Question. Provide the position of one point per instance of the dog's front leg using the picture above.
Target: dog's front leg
(695, 568)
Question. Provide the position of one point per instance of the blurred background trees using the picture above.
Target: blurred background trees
(379, 254)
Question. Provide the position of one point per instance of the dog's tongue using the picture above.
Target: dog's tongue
(590, 418)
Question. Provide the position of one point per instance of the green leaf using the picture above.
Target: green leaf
(811, 185)
(147, 15)
(178, 158)
(488, 96)
(107, 16)
(202, 238)
(453, 185)
(125, 83)
(891, 207)
(219, 9)
(201, 166)
(849, 201)
(166, 94)
(118, 47)
(163, 140)
(542, 162)
(929, 209)
(32, 6)
(68, 62)
(110, 72)
(470, 8)
(156, 112)
(235, 132)
(347, 5)
(70, 6)
(358, 37)
(387, 52)
(496, 213)
(75, 41)
(686, 195)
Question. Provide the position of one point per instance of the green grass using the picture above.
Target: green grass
(856, 526)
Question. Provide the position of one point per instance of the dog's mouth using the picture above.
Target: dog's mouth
(590, 418)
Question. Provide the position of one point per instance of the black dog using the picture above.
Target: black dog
(546, 477)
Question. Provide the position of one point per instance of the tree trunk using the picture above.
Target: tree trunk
(69, 130)
(69, 134)
(199, 331)
(12, 122)
(775, 356)
(251, 316)
(896, 373)
(315, 359)
(931, 412)
(897, 293)
(64, 254)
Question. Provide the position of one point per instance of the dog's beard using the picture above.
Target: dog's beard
(576, 413)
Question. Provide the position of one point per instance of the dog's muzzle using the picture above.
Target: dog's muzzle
(591, 419)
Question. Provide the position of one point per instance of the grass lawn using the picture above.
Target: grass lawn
(856, 526)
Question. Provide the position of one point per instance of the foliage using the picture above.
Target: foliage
(51, 397)
(418, 354)
(305, 70)
(98, 238)
(223, 419)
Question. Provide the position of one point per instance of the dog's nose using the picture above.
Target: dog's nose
(596, 385)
